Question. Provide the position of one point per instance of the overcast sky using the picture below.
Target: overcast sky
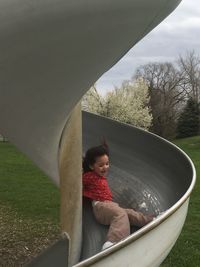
(177, 34)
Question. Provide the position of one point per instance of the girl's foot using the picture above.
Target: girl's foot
(107, 244)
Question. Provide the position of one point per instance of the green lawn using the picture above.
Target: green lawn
(186, 252)
(29, 208)
(29, 211)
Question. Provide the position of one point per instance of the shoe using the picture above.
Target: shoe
(106, 245)
(159, 214)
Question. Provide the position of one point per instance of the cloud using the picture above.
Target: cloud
(176, 35)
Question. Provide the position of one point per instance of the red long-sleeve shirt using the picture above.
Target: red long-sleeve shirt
(96, 187)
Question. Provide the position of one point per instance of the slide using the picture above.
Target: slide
(51, 53)
(148, 174)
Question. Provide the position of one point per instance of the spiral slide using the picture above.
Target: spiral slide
(51, 53)
(149, 174)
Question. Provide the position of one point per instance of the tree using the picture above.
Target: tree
(128, 103)
(188, 122)
(190, 69)
(93, 102)
(166, 95)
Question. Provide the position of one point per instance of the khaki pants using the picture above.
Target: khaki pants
(119, 219)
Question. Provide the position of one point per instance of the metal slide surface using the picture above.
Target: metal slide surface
(148, 174)
(51, 53)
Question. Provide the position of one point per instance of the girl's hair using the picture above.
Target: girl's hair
(92, 154)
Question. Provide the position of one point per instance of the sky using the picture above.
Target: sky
(178, 34)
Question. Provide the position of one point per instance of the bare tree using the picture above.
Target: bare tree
(166, 95)
(190, 69)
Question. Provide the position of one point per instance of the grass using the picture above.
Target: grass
(29, 208)
(186, 252)
(29, 211)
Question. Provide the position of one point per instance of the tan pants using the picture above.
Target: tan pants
(119, 219)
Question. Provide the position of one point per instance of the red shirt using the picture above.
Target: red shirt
(96, 187)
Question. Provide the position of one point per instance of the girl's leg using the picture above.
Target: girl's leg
(109, 213)
(137, 218)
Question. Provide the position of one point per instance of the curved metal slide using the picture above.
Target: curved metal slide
(51, 53)
(148, 174)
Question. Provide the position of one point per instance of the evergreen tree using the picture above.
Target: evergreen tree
(189, 122)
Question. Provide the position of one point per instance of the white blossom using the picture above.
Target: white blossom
(128, 104)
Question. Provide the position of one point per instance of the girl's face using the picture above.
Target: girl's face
(101, 165)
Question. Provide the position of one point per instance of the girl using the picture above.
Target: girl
(107, 212)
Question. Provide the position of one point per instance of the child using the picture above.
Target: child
(107, 212)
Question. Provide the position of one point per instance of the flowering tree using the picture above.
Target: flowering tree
(128, 103)
(93, 101)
